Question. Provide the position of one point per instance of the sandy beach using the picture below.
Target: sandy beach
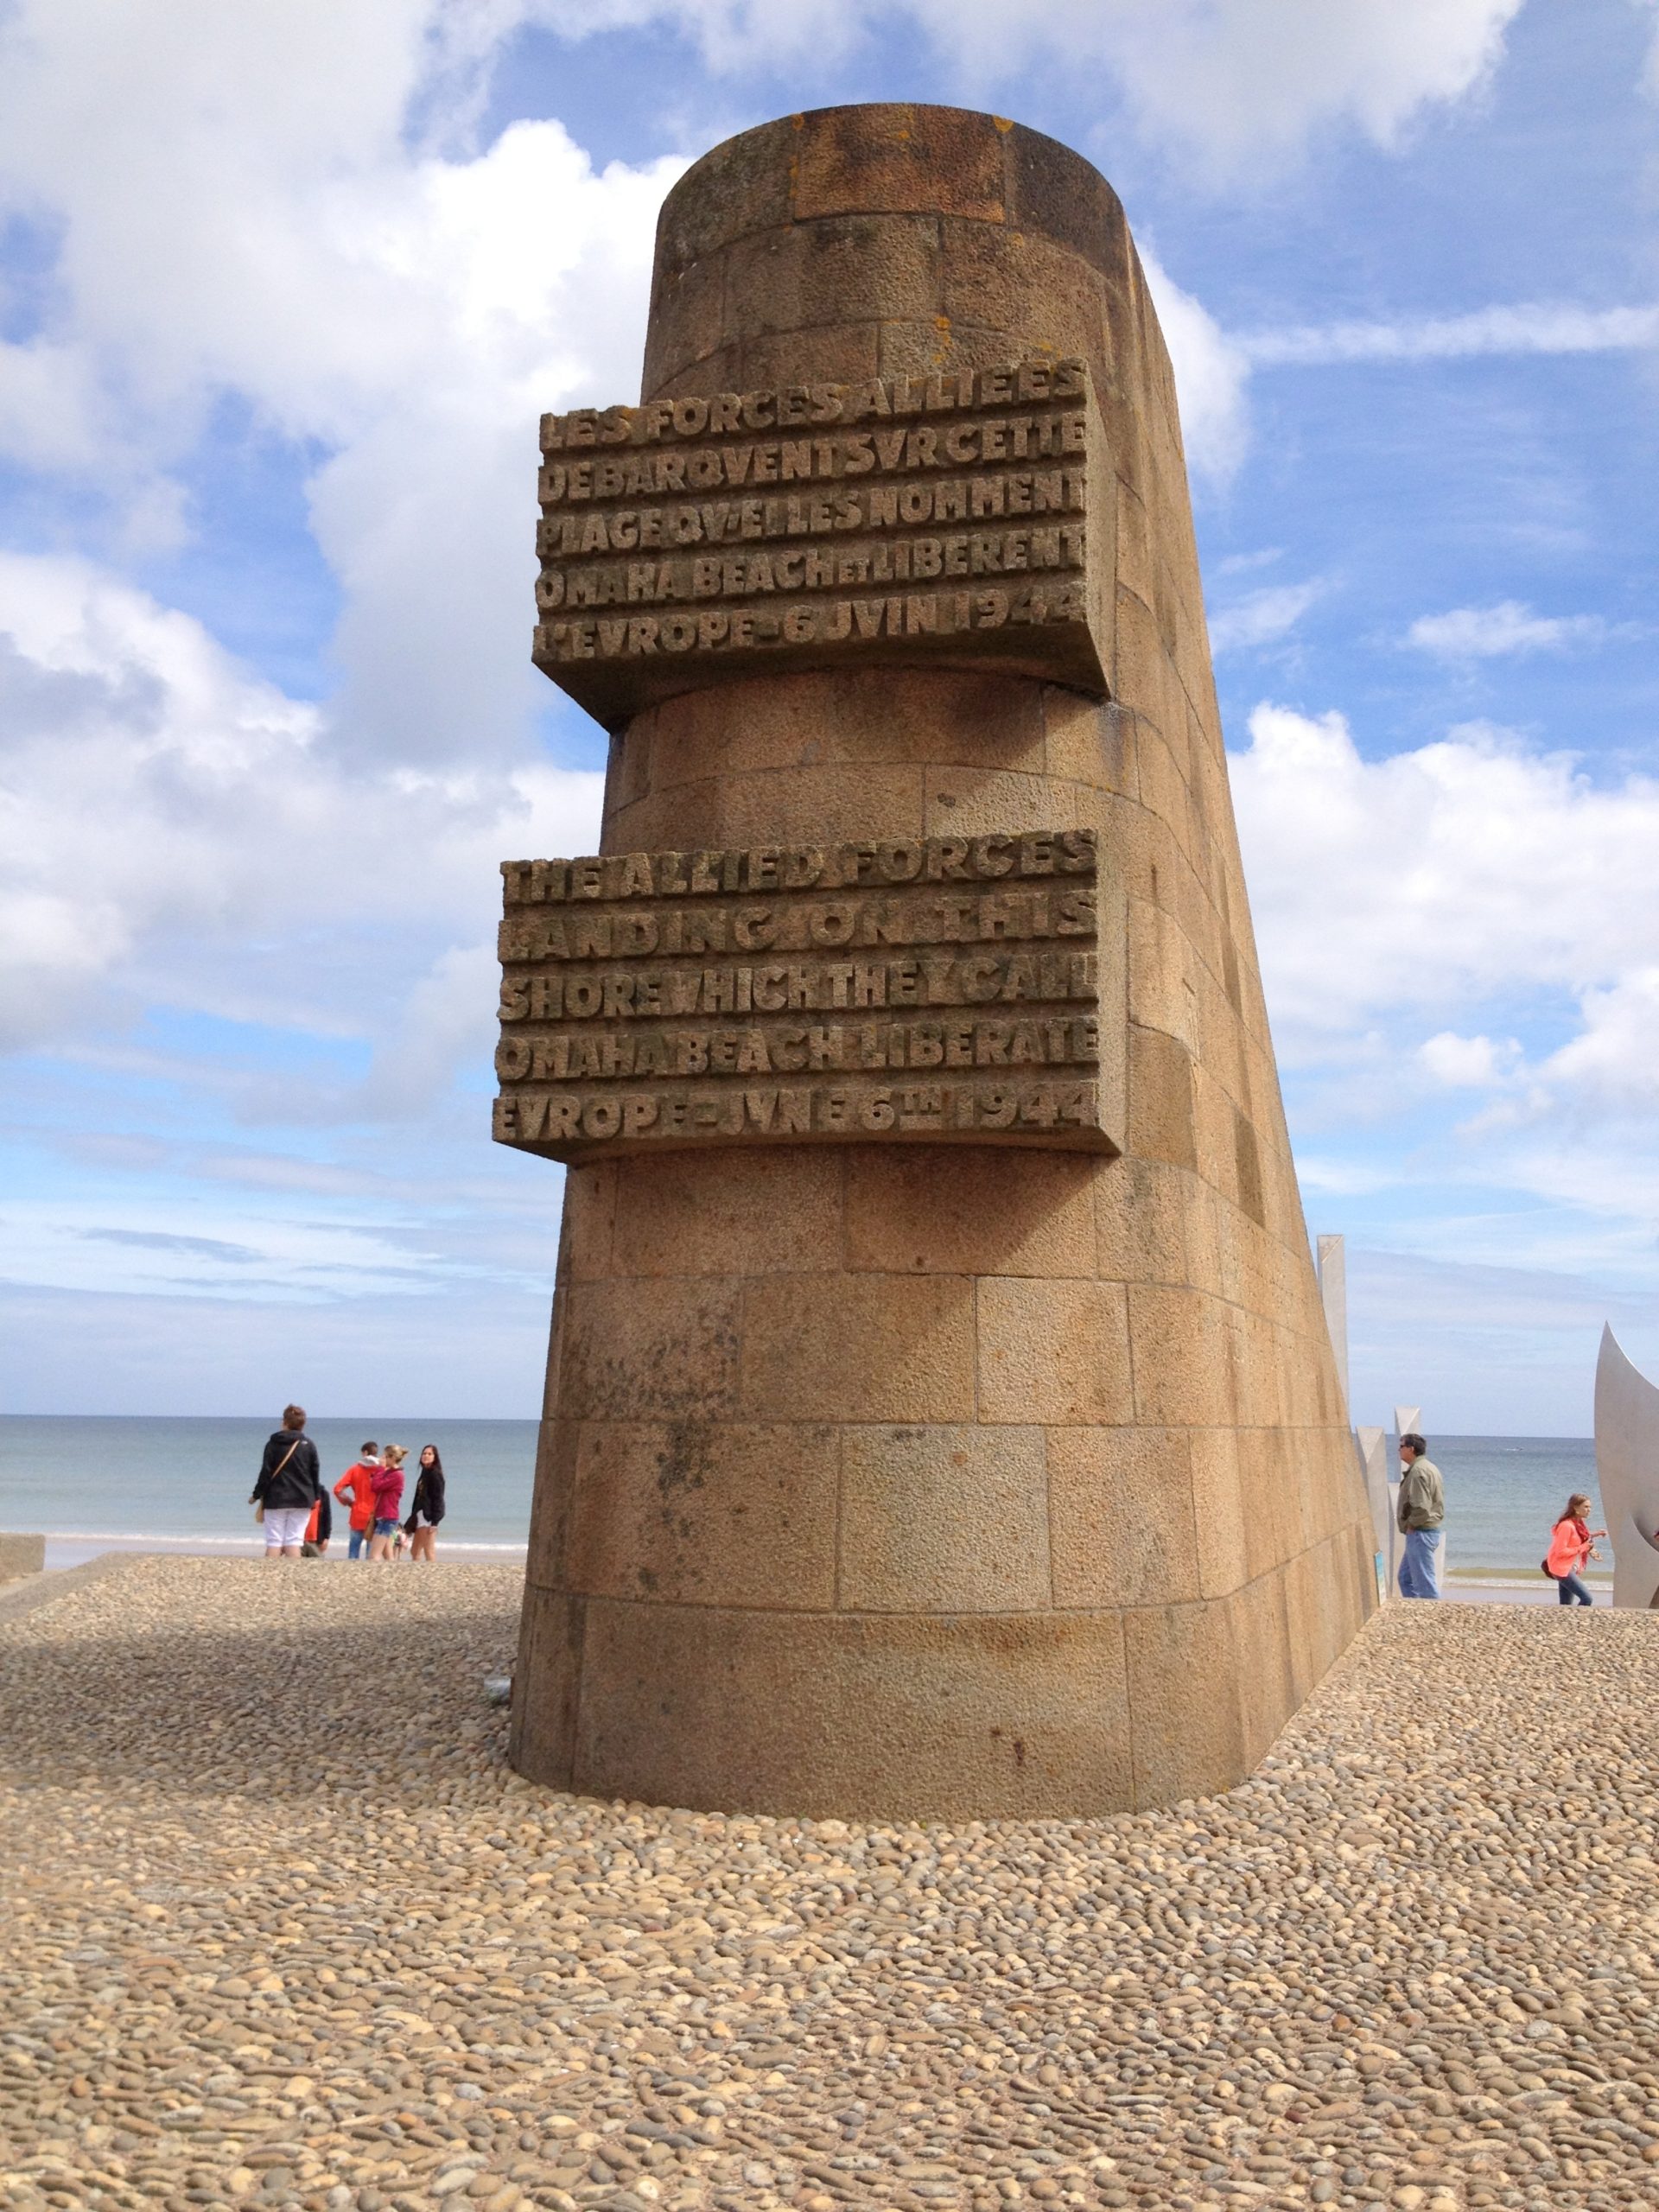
(286, 1931)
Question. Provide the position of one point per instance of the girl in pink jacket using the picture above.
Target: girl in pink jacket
(388, 1480)
(1572, 1543)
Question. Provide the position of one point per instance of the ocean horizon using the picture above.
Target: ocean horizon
(97, 1482)
(101, 1482)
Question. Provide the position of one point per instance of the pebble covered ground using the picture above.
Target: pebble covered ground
(284, 1930)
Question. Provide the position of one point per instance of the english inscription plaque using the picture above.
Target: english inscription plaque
(958, 520)
(948, 990)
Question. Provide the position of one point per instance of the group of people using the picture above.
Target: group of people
(294, 1507)
(1421, 1516)
(295, 1510)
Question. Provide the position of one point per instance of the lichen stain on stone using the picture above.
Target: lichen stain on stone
(683, 1462)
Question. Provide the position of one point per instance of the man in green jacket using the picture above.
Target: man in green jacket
(1421, 1516)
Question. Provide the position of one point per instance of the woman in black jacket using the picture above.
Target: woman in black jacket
(426, 1506)
(289, 1484)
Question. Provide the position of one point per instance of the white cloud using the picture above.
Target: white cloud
(447, 1014)
(1433, 883)
(1214, 367)
(1223, 362)
(261, 220)
(176, 832)
(1242, 564)
(1260, 617)
(1489, 632)
(1650, 74)
(1469, 1063)
(1413, 914)
(256, 1252)
(1230, 82)
(283, 210)
(49, 407)
(1210, 376)
(1613, 1063)
(1541, 326)
(257, 223)
(1236, 79)
(1340, 1178)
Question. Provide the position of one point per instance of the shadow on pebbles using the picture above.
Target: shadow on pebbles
(284, 1930)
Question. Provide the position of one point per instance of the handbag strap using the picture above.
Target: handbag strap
(286, 1457)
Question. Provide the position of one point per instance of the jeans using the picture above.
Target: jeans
(1573, 1591)
(1419, 1569)
(359, 1537)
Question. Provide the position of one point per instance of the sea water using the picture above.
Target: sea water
(1504, 1494)
(94, 1483)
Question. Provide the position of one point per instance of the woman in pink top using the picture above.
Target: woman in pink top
(388, 1481)
(1572, 1542)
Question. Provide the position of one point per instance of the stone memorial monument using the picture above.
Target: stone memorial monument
(941, 1418)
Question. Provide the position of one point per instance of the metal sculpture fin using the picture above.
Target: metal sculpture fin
(1627, 1466)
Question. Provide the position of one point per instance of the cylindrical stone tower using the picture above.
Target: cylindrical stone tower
(972, 1479)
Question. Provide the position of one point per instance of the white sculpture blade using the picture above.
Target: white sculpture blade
(1333, 1295)
(1374, 1460)
(1627, 1466)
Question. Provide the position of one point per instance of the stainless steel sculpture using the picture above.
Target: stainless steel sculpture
(1380, 1492)
(1627, 1465)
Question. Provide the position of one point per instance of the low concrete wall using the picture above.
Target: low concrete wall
(21, 1555)
(33, 1590)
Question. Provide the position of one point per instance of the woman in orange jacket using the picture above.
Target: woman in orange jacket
(1572, 1543)
(356, 1488)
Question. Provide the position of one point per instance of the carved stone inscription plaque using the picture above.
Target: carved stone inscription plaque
(950, 989)
(958, 520)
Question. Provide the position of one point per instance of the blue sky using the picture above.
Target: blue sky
(282, 289)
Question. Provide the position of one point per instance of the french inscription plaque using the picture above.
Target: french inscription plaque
(950, 990)
(956, 519)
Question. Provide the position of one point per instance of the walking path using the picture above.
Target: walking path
(284, 1931)
(1517, 1590)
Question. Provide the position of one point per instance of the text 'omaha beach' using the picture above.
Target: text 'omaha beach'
(900, 516)
(652, 994)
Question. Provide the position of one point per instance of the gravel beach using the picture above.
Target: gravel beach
(284, 1930)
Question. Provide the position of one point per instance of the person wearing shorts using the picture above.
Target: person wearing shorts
(284, 1526)
(290, 1483)
(426, 1508)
